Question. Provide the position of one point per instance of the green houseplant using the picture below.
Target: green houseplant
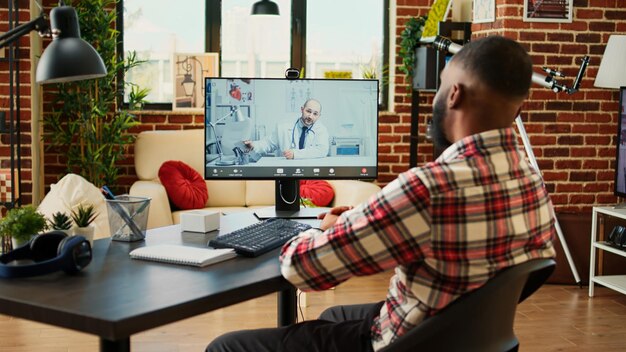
(60, 221)
(22, 223)
(83, 216)
(409, 41)
(87, 124)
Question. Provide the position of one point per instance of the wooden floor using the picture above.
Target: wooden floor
(556, 318)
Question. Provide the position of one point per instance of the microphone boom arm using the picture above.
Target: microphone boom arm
(547, 81)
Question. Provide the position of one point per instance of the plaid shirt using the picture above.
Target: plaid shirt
(446, 228)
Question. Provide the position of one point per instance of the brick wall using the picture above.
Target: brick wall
(25, 116)
(573, 136)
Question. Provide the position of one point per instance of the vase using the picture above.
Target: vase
(18, 243)
(87, 232)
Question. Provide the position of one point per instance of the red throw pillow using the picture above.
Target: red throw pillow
(320, 192)
(185, 187)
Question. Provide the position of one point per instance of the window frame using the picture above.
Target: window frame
(213, 23)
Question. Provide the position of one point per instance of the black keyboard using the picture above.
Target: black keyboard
(261, 237)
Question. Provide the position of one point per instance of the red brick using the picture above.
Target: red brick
(542, 140)
(583, 152)
(532, 36)
(596, 187)
(589, 14)
(570, 140)
(602, 26)
(568, 164)
(615, 15)
(574, 26)
(556, 152)
(569, 187)
(554, 176)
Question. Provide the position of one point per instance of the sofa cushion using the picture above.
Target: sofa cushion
(320, 192)
(260, 193)
(226, 193)
(184, 186)
(153, 148)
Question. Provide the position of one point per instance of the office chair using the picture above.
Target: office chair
(481, 320)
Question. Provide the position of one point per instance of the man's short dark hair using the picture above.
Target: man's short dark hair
(500, 63)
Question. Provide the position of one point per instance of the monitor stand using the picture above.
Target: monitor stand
(287, 193)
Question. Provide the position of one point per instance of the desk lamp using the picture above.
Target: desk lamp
(67, 58)
(612, 71)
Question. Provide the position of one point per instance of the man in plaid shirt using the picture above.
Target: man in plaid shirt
(446, 228)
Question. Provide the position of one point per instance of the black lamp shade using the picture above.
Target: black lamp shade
(265, 7)
(68, 58)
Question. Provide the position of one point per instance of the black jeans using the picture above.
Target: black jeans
(341, 328)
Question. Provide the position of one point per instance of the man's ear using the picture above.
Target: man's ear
(456, 96)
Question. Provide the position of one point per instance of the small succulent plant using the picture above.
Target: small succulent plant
(60, 221)
(84, 215)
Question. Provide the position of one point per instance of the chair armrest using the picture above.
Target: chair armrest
(352, 192)
(160, 213)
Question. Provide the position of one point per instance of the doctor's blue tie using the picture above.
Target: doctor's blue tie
(302, 137)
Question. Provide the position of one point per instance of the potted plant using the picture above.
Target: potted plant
(83, 216)
(88, 124)
(21, 224)
(61, 222)
(409, 41)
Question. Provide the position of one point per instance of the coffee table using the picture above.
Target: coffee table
(116, 297)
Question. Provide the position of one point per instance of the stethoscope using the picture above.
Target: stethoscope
(293, 131)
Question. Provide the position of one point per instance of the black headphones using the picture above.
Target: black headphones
(50, 252)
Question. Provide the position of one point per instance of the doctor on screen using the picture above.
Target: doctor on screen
(305, 139)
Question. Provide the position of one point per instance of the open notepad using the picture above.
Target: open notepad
(177, 254)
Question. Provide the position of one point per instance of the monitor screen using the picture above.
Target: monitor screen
(267, 128)
(620, 164)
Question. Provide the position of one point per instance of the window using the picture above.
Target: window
(155, 30)
(254, 46)
(344, 39)
(326, 38)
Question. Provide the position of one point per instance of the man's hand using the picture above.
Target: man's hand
(288, 154)
(248, 144)
(329, 219)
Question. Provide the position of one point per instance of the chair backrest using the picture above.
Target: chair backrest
(481, 320)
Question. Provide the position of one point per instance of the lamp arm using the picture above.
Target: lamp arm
(213, 124)
(446, 45)
(217, 142)
(39, 24)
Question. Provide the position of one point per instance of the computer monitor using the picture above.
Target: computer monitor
(620, 153)
(289, 130)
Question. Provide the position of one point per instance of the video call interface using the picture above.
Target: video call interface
(265, 128)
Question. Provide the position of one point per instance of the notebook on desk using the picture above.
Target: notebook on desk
(176, 254)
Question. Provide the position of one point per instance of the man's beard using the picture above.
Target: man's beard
(440, 111)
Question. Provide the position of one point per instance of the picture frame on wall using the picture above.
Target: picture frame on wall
(548, 11)
(484, 11)
(189, 71)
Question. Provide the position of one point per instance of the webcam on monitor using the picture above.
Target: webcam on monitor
(292, 73)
